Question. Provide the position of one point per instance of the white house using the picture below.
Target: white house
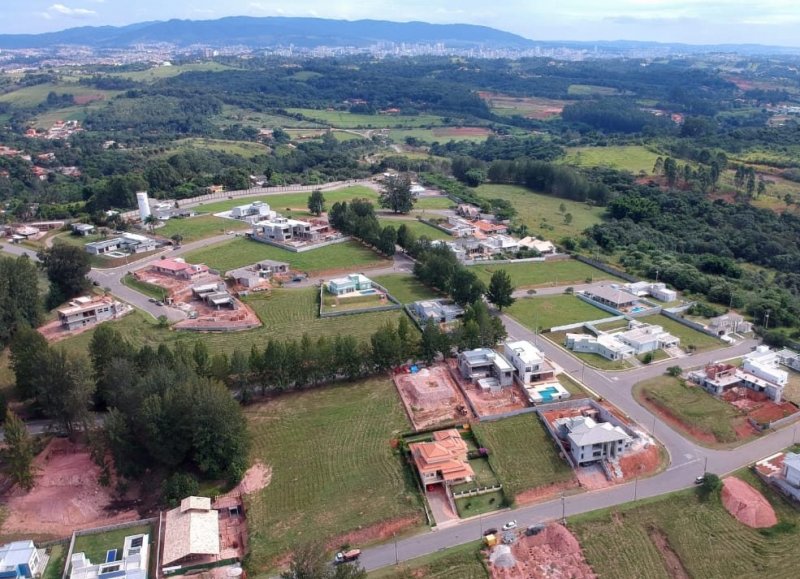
(127, 243)
(789, 359)
(85, 311)
(605, 345)
(528, 362)
(482, 363)
(459, 227)
(730, 323)
(129, 563)
(658, 290)
(791, 468)
(590, 441)
(499, 243)
(349, 284)
(437, 310)
(285, 230)
(763, 363)
(257, 210)
(645, 338)
(21, 560)
(542, 246)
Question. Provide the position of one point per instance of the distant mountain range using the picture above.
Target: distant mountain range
(276, 31)
(272, 31)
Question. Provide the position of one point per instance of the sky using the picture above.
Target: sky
(775, 22)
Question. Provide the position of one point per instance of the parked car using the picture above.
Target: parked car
(151, 300)
(534, 530)
(347, 556)
(159, 303)
(510, 525)
(490, 531)
(700, 480)
(298, 278)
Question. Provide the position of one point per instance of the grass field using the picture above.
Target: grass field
(346, 120)
(293, 201)
(418, 228)
(692, 405)
(161, 72)
(240, 252)
(462, 562)
(31, 96)
(541, 213)
(590, 89)
(572, 386)
(598, 361)
(145, 288)
(95, 546)
(544, 273)
(708, 540)
(333, 469)
(633, 158)
(55, 565)
(331, 303)
(548, 311)
(237, 115)
(522, 454)
(405, 287)
(432, 135)
(433, 203)
(688, 336)
(240, 148)
(199, 227)
(531, 107)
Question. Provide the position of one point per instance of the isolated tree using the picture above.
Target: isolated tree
(19, 452)
(66, 267)
(567, 218)
(177, 239)
(408, 343)
(501, 290)
(562, 208)
(316, 202)
(396, 194)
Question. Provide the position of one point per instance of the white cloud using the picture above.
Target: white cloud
(62, 10)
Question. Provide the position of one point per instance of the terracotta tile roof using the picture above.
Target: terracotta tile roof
(446, 453)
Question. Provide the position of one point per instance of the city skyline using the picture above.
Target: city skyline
(771, 22)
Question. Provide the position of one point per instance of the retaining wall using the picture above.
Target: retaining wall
(689, 323)
(299, 249)
(477, 492)
(606, 268)
(508, 414)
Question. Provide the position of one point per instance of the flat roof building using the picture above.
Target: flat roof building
(482, 363)
(129, 563)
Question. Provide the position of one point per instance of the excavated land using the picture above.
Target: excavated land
(508, 399)
(553, 552)
(746, 504)
(67, 495)
(431, 398)
(758, 406)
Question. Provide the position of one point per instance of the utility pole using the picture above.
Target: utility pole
(635, 488)
(705, 465)
(563, 509)
(766, 320)
(396, 558)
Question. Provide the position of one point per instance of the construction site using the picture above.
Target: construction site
(757, 405)
(489, 402)
(431, 397)
(551, 552)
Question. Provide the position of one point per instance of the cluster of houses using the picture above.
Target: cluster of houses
(639, 338)
(759, 372)
(482, 237)
(192, 534)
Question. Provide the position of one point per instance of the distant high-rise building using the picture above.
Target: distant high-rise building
(144, 205)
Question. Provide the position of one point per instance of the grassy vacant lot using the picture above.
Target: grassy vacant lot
(432, 135)
(708, 541)
(691, 405)
(549, 311)
(241, 148)
(633, 158)
(688, 336)
(95, 546)
(542, 273)
(441, 202)
(236, 115)
(240, 252)
(298, 200)
(199, 227)
(542, 212)
(522, 454)
(148, 289)
(418, 228)
(462, 562)
(30, 96)
(572, 386)
(346, 120)
(161, 72)
(333, 469)
(331, 303)
(792, 390)
(405, 287)
(590, 89)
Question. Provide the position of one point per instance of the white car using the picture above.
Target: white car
(510, 525)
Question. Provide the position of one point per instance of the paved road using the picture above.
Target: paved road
(687, 459)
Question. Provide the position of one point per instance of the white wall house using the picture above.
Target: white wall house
(483, 363)
(764, 363)
(604, 345)
(645, 338)
(528, 361)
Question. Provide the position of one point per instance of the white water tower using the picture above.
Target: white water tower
(144, 205)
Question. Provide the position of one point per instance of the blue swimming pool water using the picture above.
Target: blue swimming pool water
(547, 393)
(638, 309)
(367, 292)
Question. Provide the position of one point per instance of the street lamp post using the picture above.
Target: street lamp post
(635, 487)
(396, 558)
(563, 509)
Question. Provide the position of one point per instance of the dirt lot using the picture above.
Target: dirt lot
(554, 552)
(530, 107)
(757, 406)
(431, 397)
(746, 504)
(67, 496)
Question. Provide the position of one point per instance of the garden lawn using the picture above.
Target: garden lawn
(418, 228)
(285, 314)
(347, 120)
(688, 336)
(538, 313)
(439, 202)
(245, 149)
(691, 405)
(333, 468)
(462, 562)
(405, 287)
(199, 227)
(95, 546)
(708, 541)
(633, 158)
(55, 565)
(331, 303)
(241, 251)
(292, 201)
(542, 214)
(522, 453)
(543, 273)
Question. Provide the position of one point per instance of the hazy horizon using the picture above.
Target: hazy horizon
(769, 22)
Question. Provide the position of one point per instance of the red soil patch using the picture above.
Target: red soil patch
(375, 533)
(544, 493)
(641, 463)
(87, 98)
(554, 552)
(430, 397)
(462, 132)
(67, 495)
(746, 504)
(256, 478)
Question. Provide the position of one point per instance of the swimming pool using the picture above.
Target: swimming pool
(547, 393)
(368, 292)
(637, 309)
